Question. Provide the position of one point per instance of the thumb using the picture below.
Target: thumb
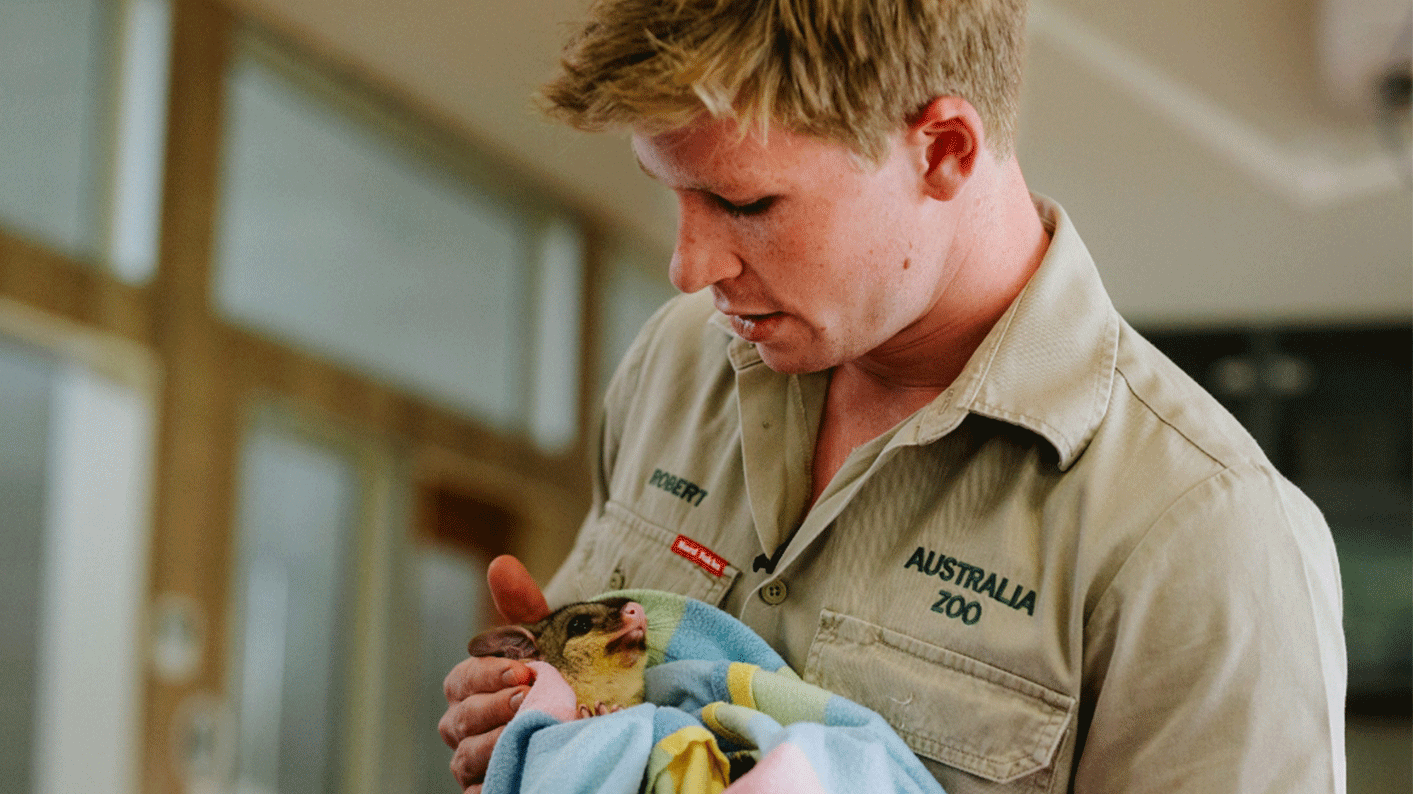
(517, 597)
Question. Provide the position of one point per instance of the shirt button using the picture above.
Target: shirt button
(617, 580)
(774, 593)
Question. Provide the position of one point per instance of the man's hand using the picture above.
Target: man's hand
(482, 693)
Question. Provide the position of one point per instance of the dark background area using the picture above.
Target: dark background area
(1333, 408)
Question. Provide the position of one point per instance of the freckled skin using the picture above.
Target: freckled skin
(600, 647)
(836, 253)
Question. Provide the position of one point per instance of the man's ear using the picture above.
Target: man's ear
(949, 137)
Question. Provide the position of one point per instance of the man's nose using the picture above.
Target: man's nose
(703, 255)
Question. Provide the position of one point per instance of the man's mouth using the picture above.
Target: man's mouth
(755, 327)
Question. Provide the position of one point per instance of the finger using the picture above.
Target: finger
(517, 597)
(478, 714)
(472, 756)
(480, 674)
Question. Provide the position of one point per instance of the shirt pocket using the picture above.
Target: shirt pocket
(949, 708)
(632, 553)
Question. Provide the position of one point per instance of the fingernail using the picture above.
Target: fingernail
(516, 699)
(510, 677)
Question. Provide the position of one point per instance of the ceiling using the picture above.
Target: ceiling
(1194, 142)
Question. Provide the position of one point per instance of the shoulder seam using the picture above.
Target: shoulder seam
(1118, 370)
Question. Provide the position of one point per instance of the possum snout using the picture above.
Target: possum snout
(632, 612)
(633, 631)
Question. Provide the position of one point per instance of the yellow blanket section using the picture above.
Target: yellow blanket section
(689, 760)
(739, 680)
(696, 765)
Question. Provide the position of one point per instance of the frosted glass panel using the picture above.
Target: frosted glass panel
(554, 421)
(140, 141)
(297, 514)
(25, 384)
(337, 240)
(636, 287)
(452, 598)
(51, 91)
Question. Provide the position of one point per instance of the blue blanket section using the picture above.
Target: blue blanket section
(705, 633)
(712, 677)
(606, 754)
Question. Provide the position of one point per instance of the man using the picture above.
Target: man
(898, 429)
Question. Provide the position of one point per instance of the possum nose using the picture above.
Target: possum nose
(634, 617)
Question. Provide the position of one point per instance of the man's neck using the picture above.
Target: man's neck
(999, 243)
(1004, 246)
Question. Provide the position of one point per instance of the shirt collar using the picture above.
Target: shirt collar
(1048, 363)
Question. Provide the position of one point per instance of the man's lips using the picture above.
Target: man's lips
(755, 327)
(752, 318)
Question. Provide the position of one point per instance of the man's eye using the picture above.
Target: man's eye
(579, 625)
(753, 208)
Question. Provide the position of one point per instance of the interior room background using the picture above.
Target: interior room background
(305, 314)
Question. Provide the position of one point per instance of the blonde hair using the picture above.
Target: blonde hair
(850, 71)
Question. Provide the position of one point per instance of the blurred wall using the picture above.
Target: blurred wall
(1192, 141)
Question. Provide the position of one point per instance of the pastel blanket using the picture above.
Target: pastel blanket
(723, 713)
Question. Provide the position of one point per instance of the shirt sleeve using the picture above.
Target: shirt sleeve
(1215, 660)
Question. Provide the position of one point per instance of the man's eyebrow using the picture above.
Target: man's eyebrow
(644, 168)
(654, 177)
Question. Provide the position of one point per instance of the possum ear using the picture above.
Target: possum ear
(512, 642)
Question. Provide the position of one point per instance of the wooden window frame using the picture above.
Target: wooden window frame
(209, 372)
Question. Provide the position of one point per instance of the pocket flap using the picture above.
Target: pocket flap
(642, 555)
(948, 707)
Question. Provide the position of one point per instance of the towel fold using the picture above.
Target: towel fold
(723, 712)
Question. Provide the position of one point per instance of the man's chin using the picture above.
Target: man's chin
(793, 362)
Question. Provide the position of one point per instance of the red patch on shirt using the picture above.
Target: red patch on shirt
(710, 561)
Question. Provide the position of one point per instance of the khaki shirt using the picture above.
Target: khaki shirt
(1073, 570)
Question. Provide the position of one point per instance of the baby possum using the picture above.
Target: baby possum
(600, 647)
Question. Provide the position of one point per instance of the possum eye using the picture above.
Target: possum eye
(579, 625)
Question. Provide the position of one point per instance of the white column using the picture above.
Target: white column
(94, 579)
(135, 214)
